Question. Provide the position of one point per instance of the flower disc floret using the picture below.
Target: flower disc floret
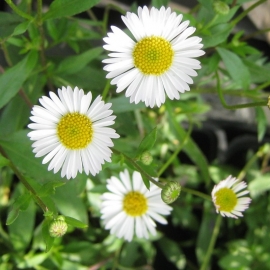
(72, 132)
(228, 199)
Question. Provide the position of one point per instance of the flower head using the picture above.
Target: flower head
(71, 132)
(159, 61)
(226, 197)
(130, 208)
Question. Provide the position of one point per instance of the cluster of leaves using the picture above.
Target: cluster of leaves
(44, 50)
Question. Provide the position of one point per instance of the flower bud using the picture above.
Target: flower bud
(221, 8)
(58, 227)
(170, 192)
(146, 158)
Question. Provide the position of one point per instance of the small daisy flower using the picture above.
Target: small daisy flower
(226, 197)
(130, 208)
(160, 60)
(71, 132)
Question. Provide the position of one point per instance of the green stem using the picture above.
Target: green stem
(139, 121)
(238, 106)
(106, 15)
(261, 86)
(243, 172)
(212, 243)
(42, 46)
(255, 34)
(244, 13)
(176, 152)
(25, 183)
(138, 167)
(18, 11)
(196, 193)
(106, 89)
(6, 54)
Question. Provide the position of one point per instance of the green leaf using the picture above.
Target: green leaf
(75, 222)
(218, 34)
(205, 231)
(11, 86)
(147, 142)
(259, 185)
(160, 3)
(261, 122)
(192, 150)
(235, 67)
(258, 74)
(121, 104)
(73, 64)
(49, 188)
(3, 161)
(21, 28)
(172, 252)
(69, 202)
(22, 229)
(46, 235)
(61, 8)
(21, 203)
(8, 22)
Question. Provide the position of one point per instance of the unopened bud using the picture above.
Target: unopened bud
(221, 8)
(170, 192)
(146, 158)
(58, 227)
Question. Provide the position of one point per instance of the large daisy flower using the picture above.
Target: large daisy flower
(228, 199)
(71, 132)
(131, 208)
(160, 60)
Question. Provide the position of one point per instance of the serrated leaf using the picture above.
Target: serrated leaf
(147, 142)
(21, 203)
(10, 86)
(3, 161)
(46, 235)
(235, 67)
(75, 222)
(73, 64)
(61, 8)
(49, 188)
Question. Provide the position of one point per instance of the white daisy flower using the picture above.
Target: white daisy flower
(226, 197)
(160, 60)
(131, 208)
(71, 132)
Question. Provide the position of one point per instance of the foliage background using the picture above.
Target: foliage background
(200, 141)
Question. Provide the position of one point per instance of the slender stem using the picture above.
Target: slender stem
(25, 183)
(255, 34)
(238, 106)
(42, 42)
(195, 9)
(212, 243)
(262, 86)
(138, 167)
(106, 89)
(18, 11)
(196, 193)
(243, 172)
(176, 152)
(139, 122)
(92, 16)
(245, 12)
(233, 3)
(6, 54)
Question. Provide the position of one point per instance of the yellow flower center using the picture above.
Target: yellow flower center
(153, 55)
(135, 204)
(226, 199)
(75, 131)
